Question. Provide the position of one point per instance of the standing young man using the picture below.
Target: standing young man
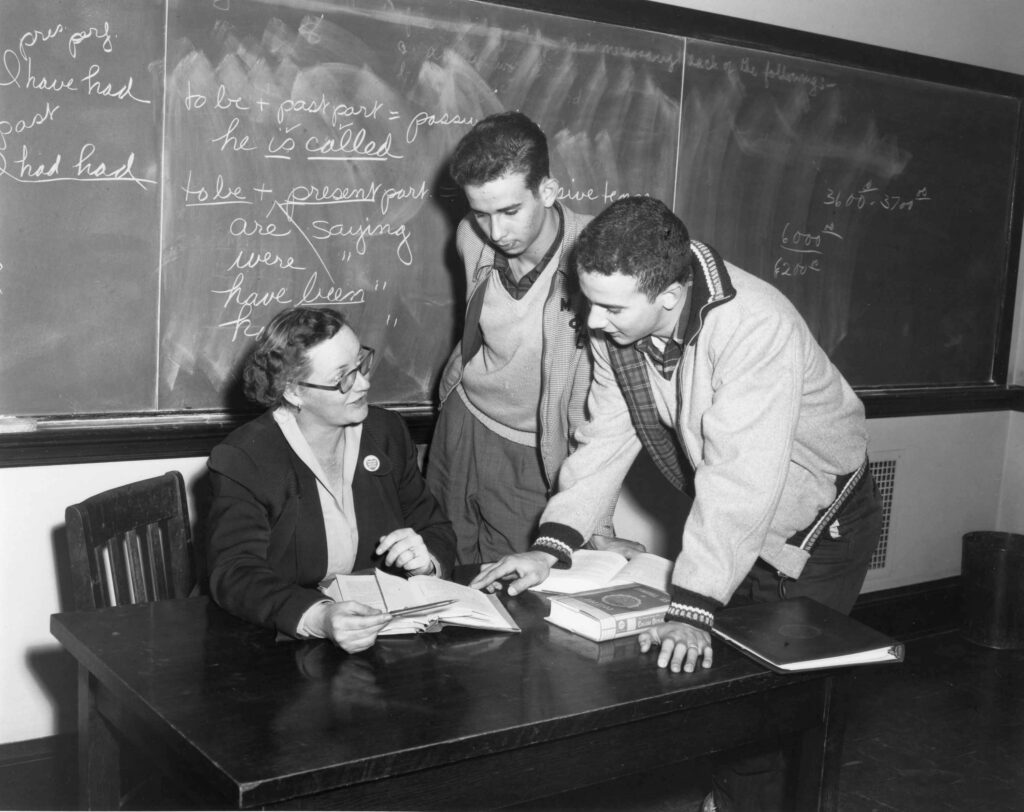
(716, 374)
(515, 387)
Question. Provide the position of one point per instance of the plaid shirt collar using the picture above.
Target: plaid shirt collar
(518, 288)
(666, 359)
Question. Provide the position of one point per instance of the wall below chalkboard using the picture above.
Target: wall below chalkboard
(172, 173)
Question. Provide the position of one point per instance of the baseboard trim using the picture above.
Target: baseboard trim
(912, 611)
(40, 773)
(30, 750)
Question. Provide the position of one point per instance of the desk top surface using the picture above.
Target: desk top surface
(266, 720)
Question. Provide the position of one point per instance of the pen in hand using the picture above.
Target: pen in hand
(423, 607)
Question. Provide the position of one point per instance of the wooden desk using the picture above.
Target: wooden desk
(459, 719)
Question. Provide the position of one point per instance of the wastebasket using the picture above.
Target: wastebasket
(992, 580)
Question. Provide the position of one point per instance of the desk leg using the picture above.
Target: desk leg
(819, 751)
(99, 756)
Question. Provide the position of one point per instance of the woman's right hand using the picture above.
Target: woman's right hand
(351, 625)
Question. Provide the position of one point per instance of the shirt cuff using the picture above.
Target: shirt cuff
(692, 607)
(558, 540)
(308, 626)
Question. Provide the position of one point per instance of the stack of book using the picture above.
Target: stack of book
(610, 612)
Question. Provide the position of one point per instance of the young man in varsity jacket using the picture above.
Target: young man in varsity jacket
(717, 376)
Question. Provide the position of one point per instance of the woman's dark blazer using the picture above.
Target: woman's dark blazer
(267, 549)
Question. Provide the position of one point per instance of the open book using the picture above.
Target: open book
(392, 593)
(800, 634)
(592, 569)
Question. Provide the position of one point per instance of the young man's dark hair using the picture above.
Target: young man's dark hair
(638, 237)
(498, 145)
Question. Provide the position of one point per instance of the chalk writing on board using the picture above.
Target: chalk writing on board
(306, 163)
(187, 168)
(869, 195)
(770, 71)
(804, 250)
(80, 103)
(84, 70)
(836, 185)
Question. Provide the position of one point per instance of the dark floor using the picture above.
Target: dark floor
(942, 731)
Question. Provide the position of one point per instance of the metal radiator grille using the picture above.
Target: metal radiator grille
(884, 472)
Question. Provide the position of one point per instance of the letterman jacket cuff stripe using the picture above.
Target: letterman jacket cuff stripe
(692, 607)
(559, 540)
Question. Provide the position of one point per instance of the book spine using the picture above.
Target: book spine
(620, 626)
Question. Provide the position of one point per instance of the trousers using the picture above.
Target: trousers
(493, 490)
(753, 779)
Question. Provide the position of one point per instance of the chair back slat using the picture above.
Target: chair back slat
(158, 568)
(136, 568)
(131, 544)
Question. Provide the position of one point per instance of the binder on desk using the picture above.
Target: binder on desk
(800, 634)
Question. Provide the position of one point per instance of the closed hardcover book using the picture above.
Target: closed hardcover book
(609, 612)
(800, 634)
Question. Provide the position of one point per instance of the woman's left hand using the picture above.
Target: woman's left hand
(404, 548)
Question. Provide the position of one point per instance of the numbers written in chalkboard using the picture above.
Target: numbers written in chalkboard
(806, 251)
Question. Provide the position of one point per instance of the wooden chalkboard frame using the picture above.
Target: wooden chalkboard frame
(63, 439)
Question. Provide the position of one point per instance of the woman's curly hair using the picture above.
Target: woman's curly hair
(281, 351)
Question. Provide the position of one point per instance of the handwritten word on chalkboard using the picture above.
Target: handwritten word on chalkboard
(174, 172)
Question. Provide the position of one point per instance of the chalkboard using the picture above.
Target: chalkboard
(80, 109)
(173, 172)
(879, 205)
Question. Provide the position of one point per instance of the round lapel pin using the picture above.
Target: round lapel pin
(371, 463)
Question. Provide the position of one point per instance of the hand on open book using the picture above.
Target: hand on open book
(682, 645)
(522, 569)
(623, 547)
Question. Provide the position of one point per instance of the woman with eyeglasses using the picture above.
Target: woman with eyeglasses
(321, 483)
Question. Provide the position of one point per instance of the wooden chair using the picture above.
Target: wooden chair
(131, 544)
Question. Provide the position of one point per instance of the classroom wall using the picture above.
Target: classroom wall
(955, 473)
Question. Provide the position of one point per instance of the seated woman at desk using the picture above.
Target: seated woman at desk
(320, 484)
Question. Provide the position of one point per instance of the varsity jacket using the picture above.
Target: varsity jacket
(267, 547)
(771, 433)
(565, 361)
